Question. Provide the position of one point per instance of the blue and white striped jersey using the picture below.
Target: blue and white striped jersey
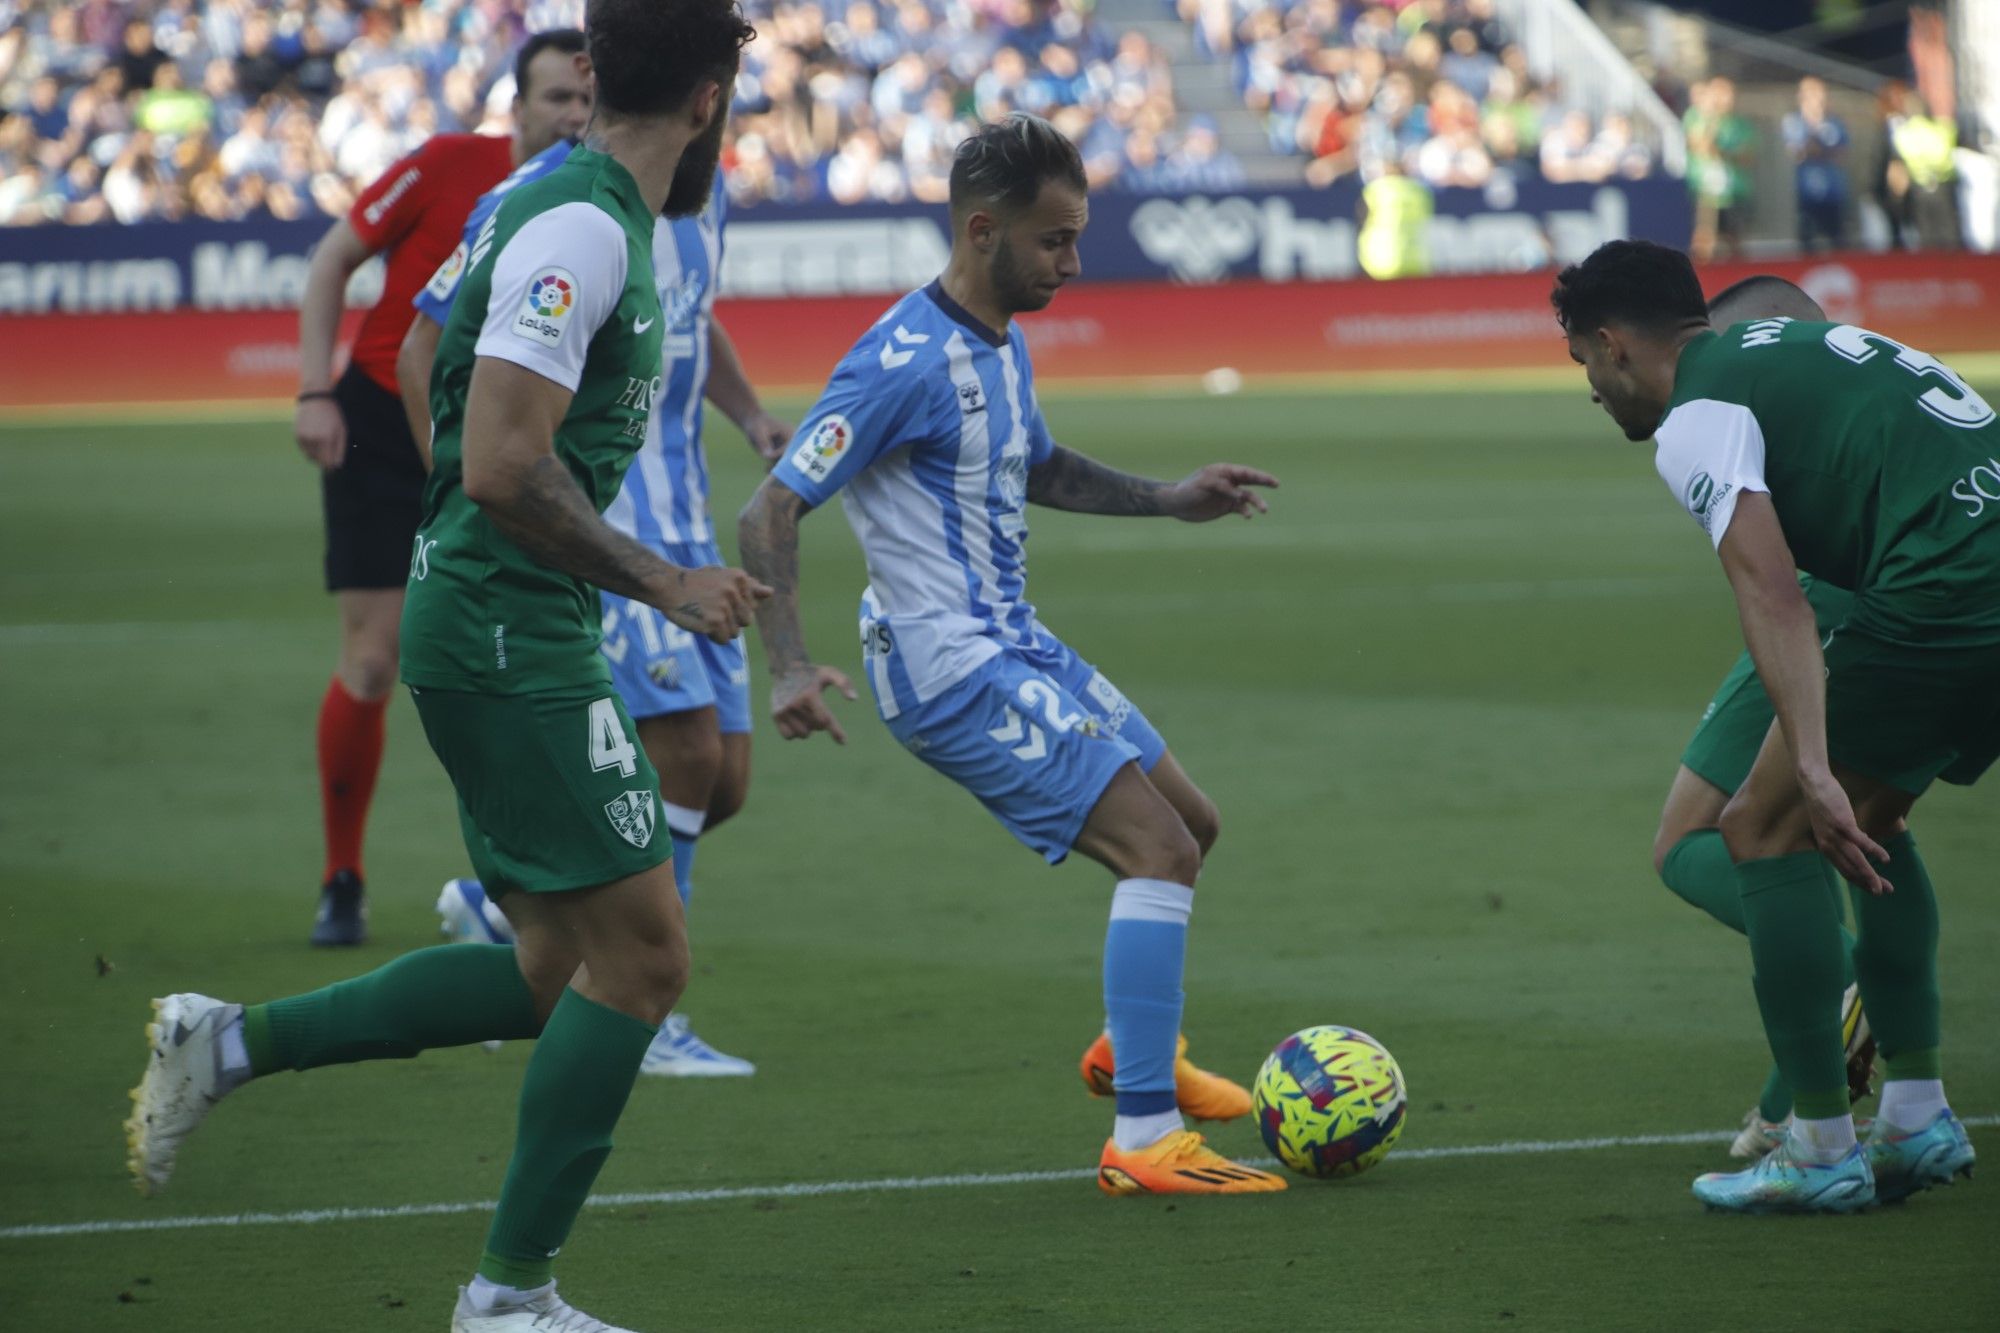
(434, 299)
(665, 498)
(927, 429)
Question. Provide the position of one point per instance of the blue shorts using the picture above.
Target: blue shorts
(1037, 736)
(658, 667)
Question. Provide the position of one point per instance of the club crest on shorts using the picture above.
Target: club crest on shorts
(632, 816)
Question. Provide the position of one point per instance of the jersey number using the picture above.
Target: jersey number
(1952, 401)
(609, 747)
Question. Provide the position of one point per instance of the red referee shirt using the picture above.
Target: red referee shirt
(415, 211)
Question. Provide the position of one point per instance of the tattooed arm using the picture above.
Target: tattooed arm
(1068, 480)
(510, 470)
(767, 533)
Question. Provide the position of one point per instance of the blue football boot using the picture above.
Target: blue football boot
(1782, 1183)
(1907, 1162)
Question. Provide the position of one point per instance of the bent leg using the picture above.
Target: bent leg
(630, 938)
(1135, 832)
(350, 731)
(1197, 812)
(686, 749)
(452, 995)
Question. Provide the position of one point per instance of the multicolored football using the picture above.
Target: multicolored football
(1330, 1101)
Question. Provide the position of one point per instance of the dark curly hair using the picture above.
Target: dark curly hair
(649, 56)
(1003, 165)
(1649, 287)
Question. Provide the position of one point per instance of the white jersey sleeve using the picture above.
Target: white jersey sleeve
(1709, 453)
(554, 284)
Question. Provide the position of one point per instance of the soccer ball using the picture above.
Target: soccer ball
(1330, 1101)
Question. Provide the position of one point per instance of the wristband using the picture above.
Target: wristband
(311, 394)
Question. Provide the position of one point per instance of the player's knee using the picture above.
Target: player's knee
(368, 673)
(1171, 854)
(727, 801)
(1664, 843)
(1752, 832)
(1204, 824)
(662, 977)
(546, 970)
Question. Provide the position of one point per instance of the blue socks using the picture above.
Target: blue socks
(1145, 948)
(684, 825)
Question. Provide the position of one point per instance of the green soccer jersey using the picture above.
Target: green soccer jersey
(1883, 467)
(560, 281)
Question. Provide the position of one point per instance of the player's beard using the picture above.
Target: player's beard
(1011, 286)
(694, 175)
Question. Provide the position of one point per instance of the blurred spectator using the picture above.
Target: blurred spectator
(1201, 162)
(1923, 167)
(1817, 141)
(1438, 86)
(1618, 150)
(1721, 147)
(1394, 240)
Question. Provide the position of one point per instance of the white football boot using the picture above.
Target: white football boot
(542, 1312)
(678, 1053)
(467, 916)
(184, 1079)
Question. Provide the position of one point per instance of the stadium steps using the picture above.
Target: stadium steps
(1202, 88)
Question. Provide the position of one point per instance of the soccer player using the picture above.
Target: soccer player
(1688, 852)
(689, 697)
(1806, 445)
(931, 428)
(355, 430)
(542, 390)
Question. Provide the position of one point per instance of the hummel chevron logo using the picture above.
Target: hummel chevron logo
(1013, 729)
(891, 358)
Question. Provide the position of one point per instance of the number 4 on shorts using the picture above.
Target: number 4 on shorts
(609, 746)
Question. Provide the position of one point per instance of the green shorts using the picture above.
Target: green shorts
(1908, 716)
(554, 791)
(1726, 740)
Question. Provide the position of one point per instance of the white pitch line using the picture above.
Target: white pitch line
(814, 1189)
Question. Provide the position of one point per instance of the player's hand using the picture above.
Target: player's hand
(798, 708)
(1839, 836)
(1218, 489)
(714, 601)
(767, 434)
(321, 432)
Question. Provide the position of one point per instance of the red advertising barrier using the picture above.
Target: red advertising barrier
(1095, 331)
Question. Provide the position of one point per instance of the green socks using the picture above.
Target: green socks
(1698, 869)
(578, 1079)
(1796, 950)
(452, 995)
(1897, 963)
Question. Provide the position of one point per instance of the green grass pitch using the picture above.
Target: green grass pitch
(1438, 695)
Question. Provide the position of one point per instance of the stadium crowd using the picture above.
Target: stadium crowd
(129, 110)
(1437, 86)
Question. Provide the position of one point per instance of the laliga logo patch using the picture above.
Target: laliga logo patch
(632, 816)
(824, 447)
(445, 281)
(544, 313)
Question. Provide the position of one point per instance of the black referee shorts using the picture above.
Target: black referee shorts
(374, 499)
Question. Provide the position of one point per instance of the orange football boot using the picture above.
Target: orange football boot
(1197, 1092)
(1180, 1163)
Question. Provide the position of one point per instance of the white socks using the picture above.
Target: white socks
(1823, 1142)
(1131, 1132)
(235, 1053)
(486, 1296)
(1910, 1104)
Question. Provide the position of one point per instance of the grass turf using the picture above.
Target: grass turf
(1438, 696)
